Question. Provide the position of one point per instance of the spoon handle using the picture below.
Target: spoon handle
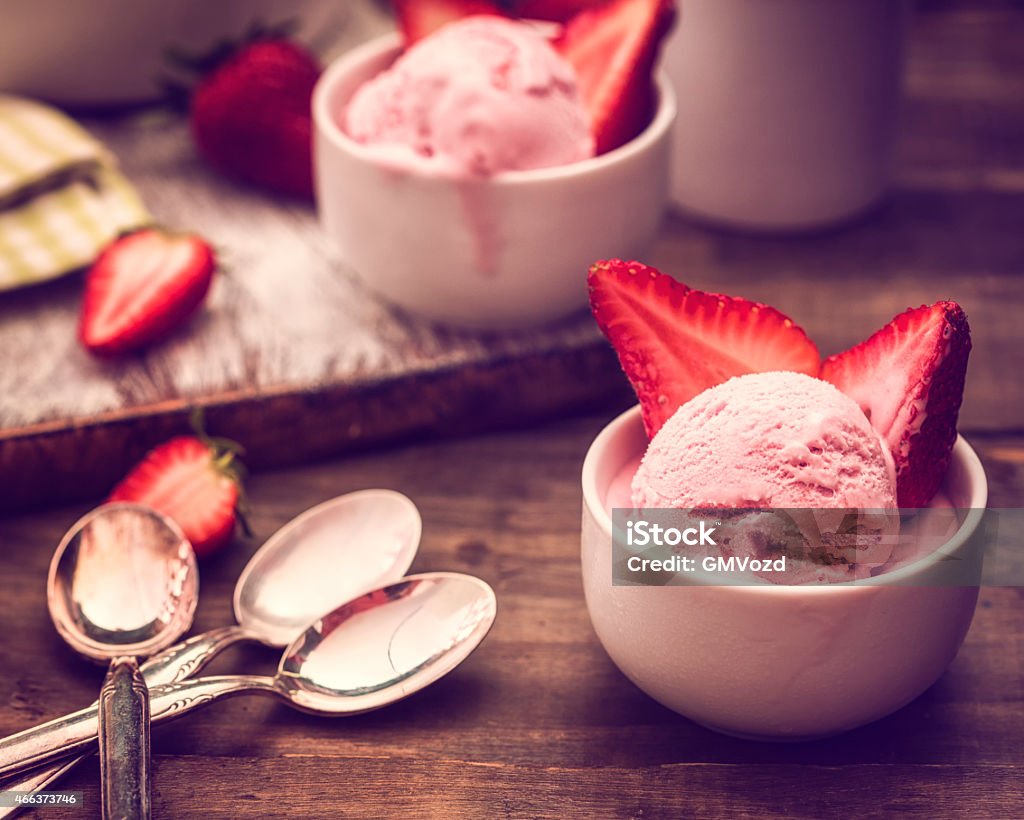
(79, 730)
(185, 659)
(176, 663)
(124, 743)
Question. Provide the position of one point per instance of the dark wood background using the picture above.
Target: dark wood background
(539, 723)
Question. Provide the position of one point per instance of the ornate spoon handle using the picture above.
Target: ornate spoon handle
(124, 743)
(80, 729)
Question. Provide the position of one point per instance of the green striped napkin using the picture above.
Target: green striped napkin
(62, 198)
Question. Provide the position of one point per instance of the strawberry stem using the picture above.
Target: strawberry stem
(224, 445)
(223, 461)
(225, 450)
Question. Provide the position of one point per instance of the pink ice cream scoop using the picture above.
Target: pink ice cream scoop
(778, 440)
(479, 96)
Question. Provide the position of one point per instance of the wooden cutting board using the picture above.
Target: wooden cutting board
(292, 357)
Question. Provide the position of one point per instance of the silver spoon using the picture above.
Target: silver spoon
(322, 558)
(123, 582)
(368, 653)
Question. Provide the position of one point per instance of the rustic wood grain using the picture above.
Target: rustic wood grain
(291, 341)
(538, 723)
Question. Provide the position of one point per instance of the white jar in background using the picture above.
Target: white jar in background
(787, 109)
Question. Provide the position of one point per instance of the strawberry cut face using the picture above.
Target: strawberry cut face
(908, 378)
(141, 287)
(614, 49)
(193, 483)
(674, 342)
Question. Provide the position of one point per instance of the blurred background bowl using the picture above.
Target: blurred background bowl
(498, 253)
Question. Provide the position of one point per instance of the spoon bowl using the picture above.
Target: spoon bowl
(386, 644)
(123, 581)
(328, 554)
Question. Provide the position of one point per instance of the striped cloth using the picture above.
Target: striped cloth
(62, 198)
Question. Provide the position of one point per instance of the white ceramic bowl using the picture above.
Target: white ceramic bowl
(501, 253)
(780, 662)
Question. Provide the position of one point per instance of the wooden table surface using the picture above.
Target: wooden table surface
(539, 723)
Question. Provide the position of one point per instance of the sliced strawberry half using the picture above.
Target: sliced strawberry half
(193, 480)
(675, 342)
(908, 378)
(143, 286)
(614, 49)
(420, 18)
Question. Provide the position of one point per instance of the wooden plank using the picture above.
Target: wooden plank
(383, 786)
(407, 787)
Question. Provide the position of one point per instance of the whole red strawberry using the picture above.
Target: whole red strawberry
(251, 116)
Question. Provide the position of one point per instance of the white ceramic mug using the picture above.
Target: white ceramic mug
(787, 109)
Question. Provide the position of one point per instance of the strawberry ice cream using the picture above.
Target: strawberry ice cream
(480, 96)
(779, 440)
(808, 461)
(767, 440)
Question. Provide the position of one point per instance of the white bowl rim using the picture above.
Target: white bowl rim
(341, 67)
(962, 451)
